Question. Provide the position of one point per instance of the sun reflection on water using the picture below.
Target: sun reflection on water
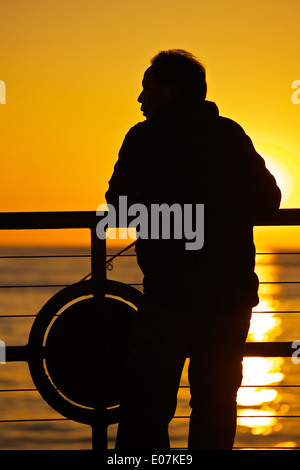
(257, 400)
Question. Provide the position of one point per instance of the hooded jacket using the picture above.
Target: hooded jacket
(188, 154)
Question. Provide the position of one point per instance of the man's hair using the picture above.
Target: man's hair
(183, 68)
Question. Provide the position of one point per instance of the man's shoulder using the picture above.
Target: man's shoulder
(226, 127)
(230, 125)
(137, 131)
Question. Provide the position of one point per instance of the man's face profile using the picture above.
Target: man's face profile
(155, 96)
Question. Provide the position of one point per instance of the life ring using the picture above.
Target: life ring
(76, 345)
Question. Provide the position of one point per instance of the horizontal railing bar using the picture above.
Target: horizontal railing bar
(268, 416)
(112, 254)
(88, 219)
(50, 285)
(275, 447)
(32, 286)
(47, 220)
(16, 353)
(256, 311)
(32, 420)
(279, 282)
(43, 256)
(18, 316)
(276, 311)
(257, 349)
(279, 253)
(269, 349)
(259, 386)
(248, 416)
(61, 256)
(175, 417)
(130, 284)
(272, 386)
(281, 217)
(180, 386)
(20, 390)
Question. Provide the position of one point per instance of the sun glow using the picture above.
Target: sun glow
(285, 167)
(259, 421)
(263, 322)
(258, 401)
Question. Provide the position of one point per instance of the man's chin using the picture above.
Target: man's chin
(145, 113)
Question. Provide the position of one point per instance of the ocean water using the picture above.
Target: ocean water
(268, 402)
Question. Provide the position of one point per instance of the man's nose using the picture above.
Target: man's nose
(140, 98)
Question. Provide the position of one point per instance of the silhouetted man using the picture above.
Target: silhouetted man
(196, 303)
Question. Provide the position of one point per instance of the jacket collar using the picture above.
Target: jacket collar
(188, 108)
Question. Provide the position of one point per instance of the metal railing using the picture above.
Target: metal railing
(99, 262)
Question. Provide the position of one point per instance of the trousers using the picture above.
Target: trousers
(162, 337)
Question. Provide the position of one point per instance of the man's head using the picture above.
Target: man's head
(173, 75)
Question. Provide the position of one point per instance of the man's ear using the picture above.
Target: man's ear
(173, 91)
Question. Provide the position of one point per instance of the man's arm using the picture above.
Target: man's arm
(124, 180)
(262, 193)
(254, 189)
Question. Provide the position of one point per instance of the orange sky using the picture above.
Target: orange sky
(73, 72)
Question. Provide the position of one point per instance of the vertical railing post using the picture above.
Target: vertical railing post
(98, 256)
(98, 273)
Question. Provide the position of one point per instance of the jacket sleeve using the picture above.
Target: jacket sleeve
(124, 180)
(265, 195)
(255, 191)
